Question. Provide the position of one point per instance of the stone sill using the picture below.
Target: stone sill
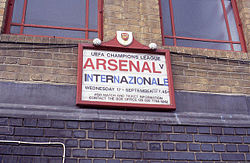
(213, 53)
(37, 39)
(87, 114)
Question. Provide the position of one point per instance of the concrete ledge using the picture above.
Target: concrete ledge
(212, 103)
(37, 94)
(58, 102)
(74, 113)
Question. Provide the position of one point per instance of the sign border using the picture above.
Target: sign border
(80, 102)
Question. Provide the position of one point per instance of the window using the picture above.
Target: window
(212, 24)
(79, 19)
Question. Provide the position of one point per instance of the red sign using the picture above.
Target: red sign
(131, 77)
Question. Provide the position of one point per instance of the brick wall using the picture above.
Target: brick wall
(121, 142)
(47, 63)
(197, 73)
(244, 12)
(137, 16)
(57, 63)
(2, 13)
(143, 19)
(54, 61)
(118, 15)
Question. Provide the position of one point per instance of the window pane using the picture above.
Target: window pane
(237, 47)
(63, 13)
(18, 11)
(169, 41)
(166, 19)
(231, 20)
(202, 44)
(54, 32)
(93, 14)
(200, 19)
(93, 35)
(15, 29)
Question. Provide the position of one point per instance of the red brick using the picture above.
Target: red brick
(65, 64)
(180, 64)
(188, 59)
(2, 59)
(200, 66)
(224, 62)
(49, 77)
(13, 68)
(14, 53)
(236, 76)
(11, 60)
(36, 77)
(211, 61)
(74, 64)
(225, 75)
(72, 79)
(199, 80)
(196, 87)
(246, 91)
(201, 73)
(7, 75)
(213, 74)
(66, 50)
(245, 69)
(24, 61)
(65, 57)
(22, 77)
(237, 90)
(38, 63)
(64, 71)
(62, 79)
(37, 55)
(246, 76)
(183, 79)
(219, 89)
(189, 72)
(176, 58)
(221, 67)
(200, 60)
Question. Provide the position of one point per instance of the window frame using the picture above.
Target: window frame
(86, 29)
(237, 21)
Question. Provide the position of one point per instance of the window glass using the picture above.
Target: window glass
(237, 47)
(231, 20)
(53, 32)
(166, 19)
(93, 35)
(203, 44)
(93, 13)
(15, 29)
(201, 24)
(63, 13)
(56, 18)
(199, 19)
(18, 11)
(169, 41)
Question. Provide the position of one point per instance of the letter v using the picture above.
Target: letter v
(161, 66)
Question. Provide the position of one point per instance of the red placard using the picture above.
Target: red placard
(112, 75)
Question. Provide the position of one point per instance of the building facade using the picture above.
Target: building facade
(38, 78)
